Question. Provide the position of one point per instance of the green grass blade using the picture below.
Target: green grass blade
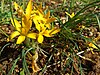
(25, 67)
(98, 21)
(4, 47)
(4, 32)
(13, 67)
(2, 6)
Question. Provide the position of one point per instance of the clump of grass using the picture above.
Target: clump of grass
(4, 13)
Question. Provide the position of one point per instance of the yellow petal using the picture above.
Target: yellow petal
(47, 33)
(54, 30)
(8, 39)
(20, 39)
(50, 20)
(40, 38)
(29, 24)
(14, 34)
(18, 9)
(92, 45)
(47, 15)
(37, 25)
(68, 14)
(26, 23)
(32, 35)
(48, 25)
(92, 50)
(16, 24)
(29, 9)
(40, 6)
(23, 23)
(71, 16)
(16, 6)
(24, 31)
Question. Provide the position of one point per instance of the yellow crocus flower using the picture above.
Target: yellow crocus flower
(40, 19)
(42, 23)
(21, 31)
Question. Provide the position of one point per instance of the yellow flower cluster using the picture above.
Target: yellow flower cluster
(42, 23)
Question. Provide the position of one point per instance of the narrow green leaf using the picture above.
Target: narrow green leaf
(13, 67)
(98, 21)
